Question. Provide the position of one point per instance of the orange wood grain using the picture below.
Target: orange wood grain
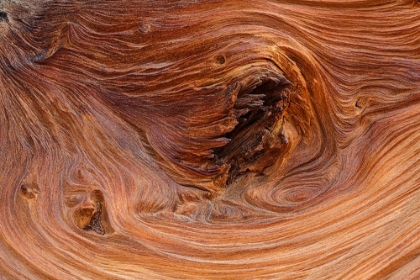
(209, 139)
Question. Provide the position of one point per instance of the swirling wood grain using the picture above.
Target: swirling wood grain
(209, 139)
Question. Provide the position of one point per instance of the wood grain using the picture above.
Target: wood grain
(209, 139)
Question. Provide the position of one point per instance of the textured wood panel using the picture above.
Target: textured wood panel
(209, 139)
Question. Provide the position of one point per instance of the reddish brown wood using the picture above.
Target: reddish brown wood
(209, 139)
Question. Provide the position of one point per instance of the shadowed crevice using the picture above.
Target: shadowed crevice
(259, 112)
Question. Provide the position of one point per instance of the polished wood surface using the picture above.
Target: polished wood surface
(209, 139)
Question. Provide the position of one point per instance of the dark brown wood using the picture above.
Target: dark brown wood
(209, 139)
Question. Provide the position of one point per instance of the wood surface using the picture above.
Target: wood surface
(180, 139)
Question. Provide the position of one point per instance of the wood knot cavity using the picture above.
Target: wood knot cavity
(363, 103)
(258, 139)
(88, 211)
(221, 59)
(29, 191)
(95, 221)
(3, 16)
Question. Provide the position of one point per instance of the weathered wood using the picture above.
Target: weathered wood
(209, 139)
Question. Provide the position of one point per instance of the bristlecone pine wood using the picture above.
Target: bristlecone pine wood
(155, 139)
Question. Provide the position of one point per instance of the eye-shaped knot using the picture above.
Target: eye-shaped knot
(29, 191)
(87, 208)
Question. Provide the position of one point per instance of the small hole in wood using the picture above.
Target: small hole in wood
(221, 59)
(3, 16)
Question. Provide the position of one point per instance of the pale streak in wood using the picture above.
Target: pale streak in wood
(99, 104)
